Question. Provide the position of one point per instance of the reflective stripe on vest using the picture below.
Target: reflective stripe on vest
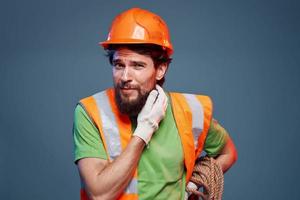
(114, 128)
(192, 114)
(198, 116)
(109, 125)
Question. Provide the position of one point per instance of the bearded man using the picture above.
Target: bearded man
(136, 140)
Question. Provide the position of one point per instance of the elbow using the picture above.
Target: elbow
(234, 156)
(233, 152)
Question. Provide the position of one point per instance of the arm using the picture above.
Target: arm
(220, 146)
(227, 156)
(106, 180)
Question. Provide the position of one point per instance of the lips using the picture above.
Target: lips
(128, 88)
(123, 88)
(127, 91)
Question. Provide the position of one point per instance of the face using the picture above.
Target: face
(134, 76)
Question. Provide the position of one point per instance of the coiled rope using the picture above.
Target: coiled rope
(207, 174)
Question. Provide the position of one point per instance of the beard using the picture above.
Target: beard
(127, 106)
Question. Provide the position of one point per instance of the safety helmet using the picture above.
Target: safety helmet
(138, 26)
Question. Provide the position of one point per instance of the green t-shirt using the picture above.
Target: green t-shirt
(161, 173)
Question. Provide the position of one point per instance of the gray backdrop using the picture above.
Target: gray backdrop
(245, 55)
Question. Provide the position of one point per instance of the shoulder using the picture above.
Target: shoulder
(91, 101)
(95, 95)
(187, 94)
(190, 98)
(80, 115)
(197, 106)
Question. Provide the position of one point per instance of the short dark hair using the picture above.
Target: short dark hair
(156, 52)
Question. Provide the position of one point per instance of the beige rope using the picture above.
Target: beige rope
(207, 174)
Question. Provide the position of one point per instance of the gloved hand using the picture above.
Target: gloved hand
(191, 186)
(151, 114)
(208, 175)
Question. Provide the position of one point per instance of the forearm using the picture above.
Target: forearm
(228, 155)
(110, 182)
(106, 180)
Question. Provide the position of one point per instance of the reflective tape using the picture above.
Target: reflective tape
(109, 125)
(132, 187)
(198, 116)
(112, 133)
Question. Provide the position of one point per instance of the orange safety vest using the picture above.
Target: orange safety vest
(192, 113)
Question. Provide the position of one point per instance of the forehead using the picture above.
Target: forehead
(127, 55)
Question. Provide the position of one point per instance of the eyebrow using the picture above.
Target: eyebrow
(114, 61)
(138, 63)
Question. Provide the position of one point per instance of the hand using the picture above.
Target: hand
(151, 114)
(192, 192)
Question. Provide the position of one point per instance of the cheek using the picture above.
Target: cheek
(147, 82)
(116, 76)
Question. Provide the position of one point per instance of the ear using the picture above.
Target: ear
(161, 71)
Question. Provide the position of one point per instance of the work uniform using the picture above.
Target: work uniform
(161, 170)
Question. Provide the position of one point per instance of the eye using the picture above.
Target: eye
(118, 66)
(138, 66)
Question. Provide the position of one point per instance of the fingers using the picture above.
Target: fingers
(165, 104)
(162, 97)
(152, 96)
(156, 102)
(160, 90)
(150, 100)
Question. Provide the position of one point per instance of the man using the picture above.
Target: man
(135, 140)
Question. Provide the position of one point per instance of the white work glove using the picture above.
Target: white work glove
(151, 114)
(191, 186)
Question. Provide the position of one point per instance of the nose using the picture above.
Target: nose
(126, 75)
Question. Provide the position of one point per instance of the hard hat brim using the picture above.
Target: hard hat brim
(106, 44)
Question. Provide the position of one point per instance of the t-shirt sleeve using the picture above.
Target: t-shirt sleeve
(215, 139)
(86, 137)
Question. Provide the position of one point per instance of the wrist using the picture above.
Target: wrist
(138, 141)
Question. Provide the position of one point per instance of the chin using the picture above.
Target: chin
(129, 97)
(130, 100)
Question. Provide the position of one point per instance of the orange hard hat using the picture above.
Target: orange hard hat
(138, 26)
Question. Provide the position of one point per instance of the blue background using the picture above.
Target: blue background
(244, 54)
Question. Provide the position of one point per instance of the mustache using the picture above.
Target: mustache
(124, 85)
